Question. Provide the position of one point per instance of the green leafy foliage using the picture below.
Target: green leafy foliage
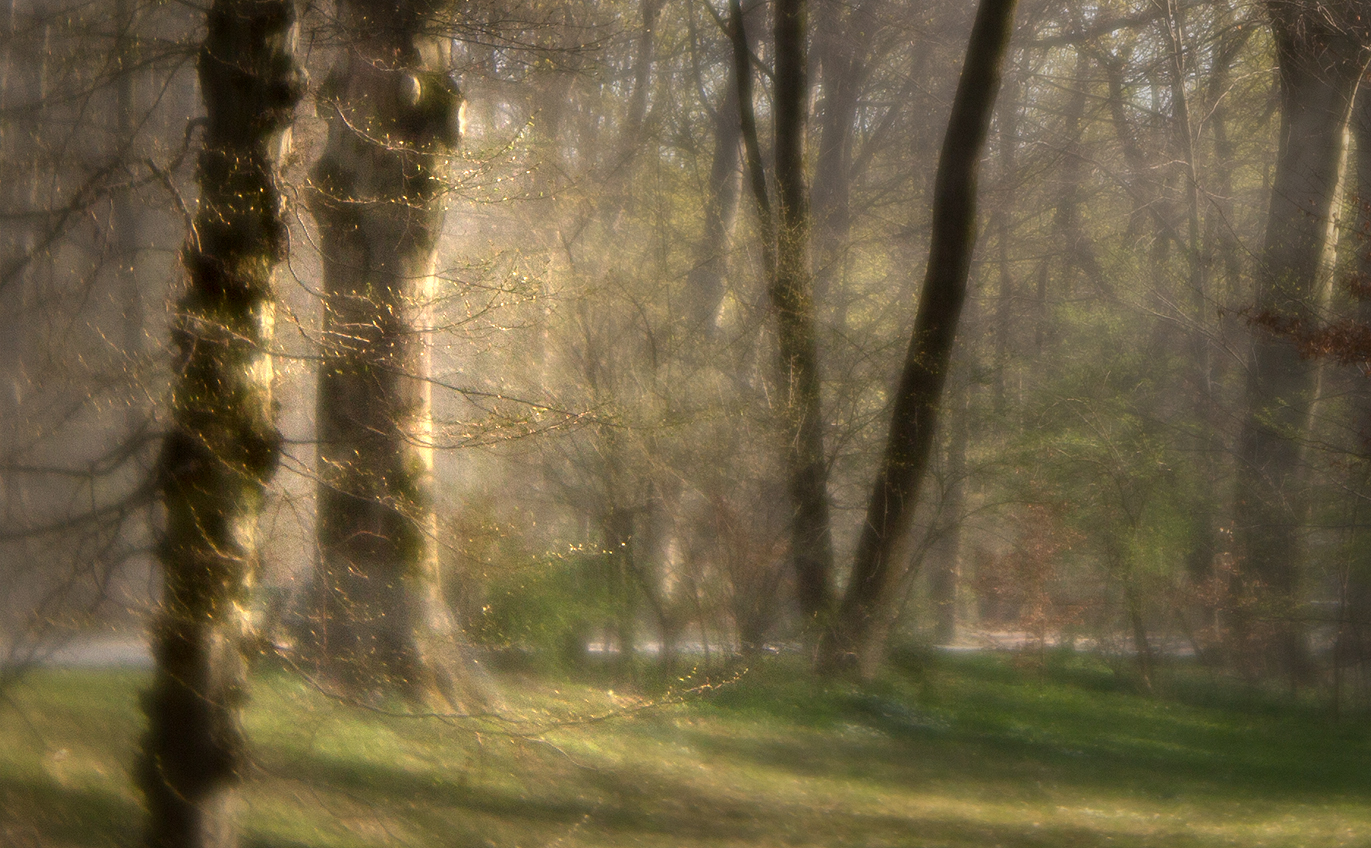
(546, 607)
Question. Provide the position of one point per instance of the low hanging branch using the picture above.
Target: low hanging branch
(858, 631)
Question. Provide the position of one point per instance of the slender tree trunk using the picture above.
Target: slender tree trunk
(1003, 227)
(1206, 443)
(785, 251)
(860, 627)
(378, 198)
(1080, 250)
(792, 298)
(841, 44)
(706, 280)
(621, 552)
(223, 443)
(617, 195)
(1142, 646)
(1320, 65)
(125, 218)
(1220, 205)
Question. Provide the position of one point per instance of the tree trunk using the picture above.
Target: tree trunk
(860, 627)
(841, 44)
(1003, 227)
(705, 283)
(1080, 250)
(1207, 442)
(785, 249)
(223, 443)
(945, 573)
(1320, 66)
(377, 195)
(124, 217)
(1353, 641)
(791, 294)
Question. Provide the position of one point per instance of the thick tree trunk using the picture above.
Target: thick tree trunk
(860, 627)
(945, 569)
(378, 198)
(1353, 645)
(223, 443)
(1320, 66)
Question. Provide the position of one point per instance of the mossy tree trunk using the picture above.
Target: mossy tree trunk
(377, 195)
(223, 445)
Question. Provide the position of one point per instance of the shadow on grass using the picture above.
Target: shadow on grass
(987, 724)
(643, 806)
(962, 754)
(42, 813)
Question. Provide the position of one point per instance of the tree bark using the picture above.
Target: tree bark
(860, 627)
(1080, 249)
(377, 195)
(705, 282)
(1353, 639)
(124, 218)
(945, 573)
(223, 443)
(791, 294)
(1004, 231)
(785, 258)
(842, 44)
(1320, 62)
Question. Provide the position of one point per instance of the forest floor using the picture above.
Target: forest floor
(952, 750)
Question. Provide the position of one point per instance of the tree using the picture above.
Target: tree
(863, 616)
(87, 163)
(378, 194)
(785, 233)
(222, 446)
(1321, 53)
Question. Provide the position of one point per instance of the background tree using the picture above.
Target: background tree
(1321, 56)
(92, 170)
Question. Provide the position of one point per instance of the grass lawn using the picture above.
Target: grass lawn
(957, 751)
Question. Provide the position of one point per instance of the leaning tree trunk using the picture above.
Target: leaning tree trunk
(223, 444)
(377, 196)
(1320, 63)
(859, 629)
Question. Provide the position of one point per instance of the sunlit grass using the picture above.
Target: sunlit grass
(954, 752)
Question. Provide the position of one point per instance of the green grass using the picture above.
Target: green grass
(966, 751)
